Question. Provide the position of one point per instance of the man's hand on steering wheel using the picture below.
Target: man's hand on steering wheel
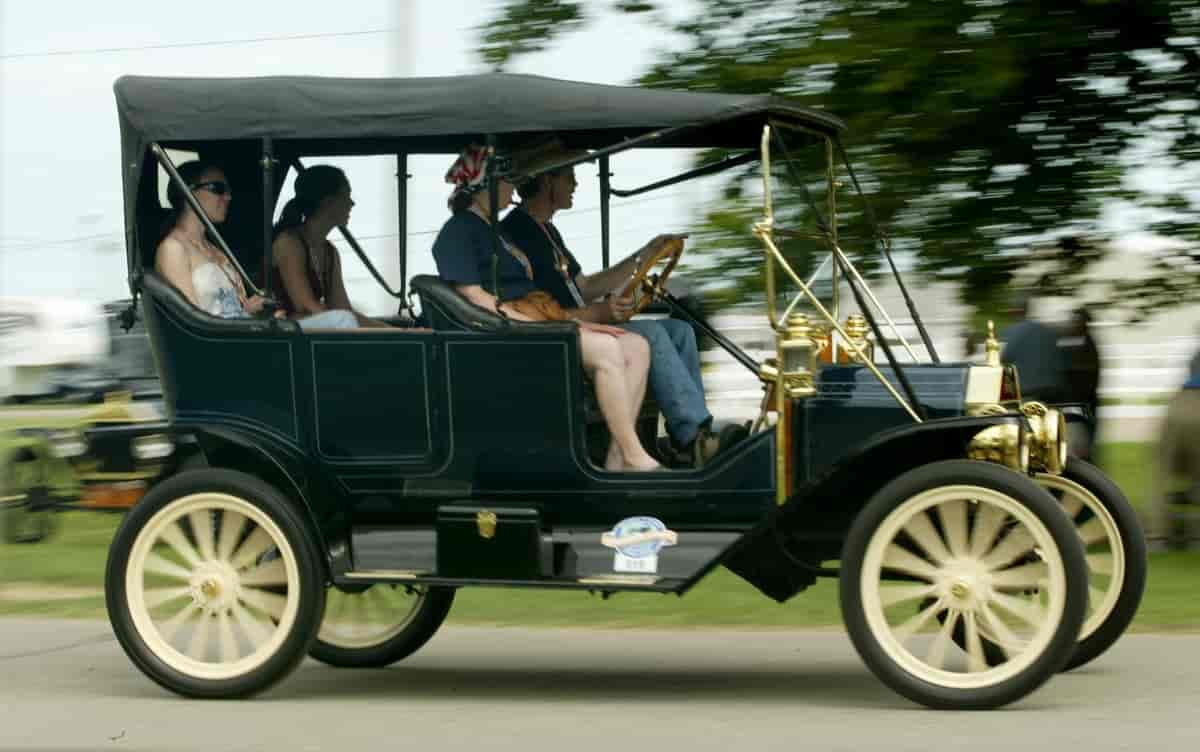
(618, 309)
(643, 286)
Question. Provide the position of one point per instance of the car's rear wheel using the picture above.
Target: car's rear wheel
(377, 625)
(952, 539)
(1115, 548)
(214, 587)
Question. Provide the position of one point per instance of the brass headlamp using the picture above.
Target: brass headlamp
(1048, 437)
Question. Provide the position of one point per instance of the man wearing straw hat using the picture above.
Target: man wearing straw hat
(674, 358)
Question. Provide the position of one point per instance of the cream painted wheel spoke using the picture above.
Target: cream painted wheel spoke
(256, 632)
(1092, 532)
(202, 528)
(158, 565)
(999, 632)
(1025, 610)
(169, 627)
(1024, 577)
(1100, 563)
(901, 560)
(232, 525)
(988, 522)
(976, 661)
(891, 593)
(1096, 597)
(226, 639)
(268, 603)
(158, 596)
(255, 546)
(936, 656)
(174, 537)
(197, 647)
(272, 573)
(953, 516)
(920, 528)
(1071, 503)
(1011, 547)
(914, 623)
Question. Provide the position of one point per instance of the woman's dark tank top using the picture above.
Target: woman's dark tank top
(316, 280)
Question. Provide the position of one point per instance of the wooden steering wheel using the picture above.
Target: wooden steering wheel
(643, 286)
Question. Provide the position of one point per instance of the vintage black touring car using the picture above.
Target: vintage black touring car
(353, 480)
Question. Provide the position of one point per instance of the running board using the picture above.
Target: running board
(575, 559)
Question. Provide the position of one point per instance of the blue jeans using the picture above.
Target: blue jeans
(334, 319)
(675, 374)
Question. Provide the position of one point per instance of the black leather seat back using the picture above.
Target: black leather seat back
(165, 294)
(446, 310)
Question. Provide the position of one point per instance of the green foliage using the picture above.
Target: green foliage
(985, 131)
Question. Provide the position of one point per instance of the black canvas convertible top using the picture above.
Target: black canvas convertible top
(227, 119)
(305, 107)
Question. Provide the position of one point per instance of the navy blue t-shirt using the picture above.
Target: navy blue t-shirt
(463, 252)
(529, 237)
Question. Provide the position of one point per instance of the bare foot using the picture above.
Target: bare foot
(642, 465)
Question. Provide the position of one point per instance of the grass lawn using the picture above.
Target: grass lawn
(73, 564)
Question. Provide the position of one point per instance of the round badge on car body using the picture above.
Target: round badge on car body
(637, 541)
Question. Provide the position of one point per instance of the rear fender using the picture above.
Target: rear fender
(782, 555)
(285, 469)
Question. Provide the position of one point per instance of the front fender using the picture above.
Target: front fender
(782, 554)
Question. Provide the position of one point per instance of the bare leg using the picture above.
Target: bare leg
(605, 361)
(635, 353)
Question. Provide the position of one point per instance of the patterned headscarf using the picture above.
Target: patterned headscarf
(468, 171)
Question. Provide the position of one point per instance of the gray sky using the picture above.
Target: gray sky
(60, 192)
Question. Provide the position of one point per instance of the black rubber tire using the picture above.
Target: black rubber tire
(1042, 505)
(310, 587)
(1133, 540)
(425, 623)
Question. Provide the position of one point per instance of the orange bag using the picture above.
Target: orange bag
(539, 306)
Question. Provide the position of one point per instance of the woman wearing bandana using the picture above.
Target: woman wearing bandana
(618, 361)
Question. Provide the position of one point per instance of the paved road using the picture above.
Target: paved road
(67, 685)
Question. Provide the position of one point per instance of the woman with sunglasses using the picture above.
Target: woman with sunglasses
(307, 271)
(618, 361)
(197, 268)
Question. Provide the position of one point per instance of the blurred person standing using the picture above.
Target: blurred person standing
(1178, 457)
(1080, 360)
(1032, 346)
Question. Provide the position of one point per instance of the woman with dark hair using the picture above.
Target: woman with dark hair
(617, 361)
(188, 259)
(307, 270)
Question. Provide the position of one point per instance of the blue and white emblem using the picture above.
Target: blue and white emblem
(637, 541)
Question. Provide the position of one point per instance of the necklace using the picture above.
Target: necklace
(561, 261)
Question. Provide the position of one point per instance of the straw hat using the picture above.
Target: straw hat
(532, 160)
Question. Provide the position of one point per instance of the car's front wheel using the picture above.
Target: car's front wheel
(957, 546)
(213, 585)
(377, 625)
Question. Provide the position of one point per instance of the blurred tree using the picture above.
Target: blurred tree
(984, 131)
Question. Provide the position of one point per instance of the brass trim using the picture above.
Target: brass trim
(486, 522)
(763, 231)
(619, 579)
(1004, 444)
(992, 346)
(385, 574)
(1048, 440)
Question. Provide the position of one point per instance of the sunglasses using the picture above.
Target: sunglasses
(215, 187)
